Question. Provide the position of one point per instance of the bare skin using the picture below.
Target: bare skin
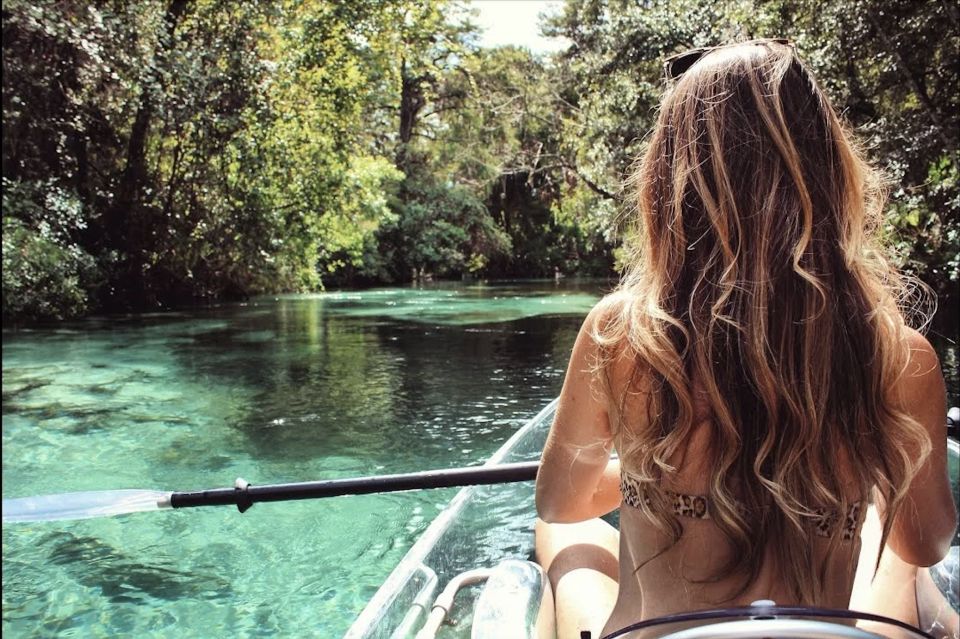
(578, 483)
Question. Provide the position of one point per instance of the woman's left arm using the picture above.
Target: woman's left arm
(577, 479)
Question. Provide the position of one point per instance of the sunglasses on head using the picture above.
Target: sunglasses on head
(678, 64)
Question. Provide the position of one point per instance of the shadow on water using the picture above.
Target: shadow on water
(125, 579)
(14, 392)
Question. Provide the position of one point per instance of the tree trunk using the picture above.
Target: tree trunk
(412, 102)
(127, 229)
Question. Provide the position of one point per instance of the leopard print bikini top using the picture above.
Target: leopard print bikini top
(698, 507)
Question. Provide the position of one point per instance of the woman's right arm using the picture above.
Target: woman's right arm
(927, 519)
(577, 480)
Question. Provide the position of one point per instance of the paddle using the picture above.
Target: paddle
(106, 503)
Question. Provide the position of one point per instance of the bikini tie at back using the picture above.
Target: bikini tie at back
(823, 521)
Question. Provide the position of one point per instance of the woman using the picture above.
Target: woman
(753, 370)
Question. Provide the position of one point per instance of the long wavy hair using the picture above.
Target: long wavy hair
(755, 277)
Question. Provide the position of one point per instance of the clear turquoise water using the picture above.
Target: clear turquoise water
(286, 389)
(276, 390)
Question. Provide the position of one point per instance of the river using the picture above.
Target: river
(279, 389)
(282, 389)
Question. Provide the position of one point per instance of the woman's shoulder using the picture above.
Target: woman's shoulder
(921, 379)
(921, 351)
(611, 312)
(599, 337)
(607, 325)
(612, 333)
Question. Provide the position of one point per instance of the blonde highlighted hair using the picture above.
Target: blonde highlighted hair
(754, 276)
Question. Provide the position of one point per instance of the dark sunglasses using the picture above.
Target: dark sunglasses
(678, 64)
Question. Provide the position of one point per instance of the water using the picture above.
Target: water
(287, 389)
(277, 390)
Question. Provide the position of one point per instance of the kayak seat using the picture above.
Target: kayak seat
(516, 601)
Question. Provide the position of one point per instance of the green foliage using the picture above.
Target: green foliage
(350, 249)
(45, 273)
(923, 225)
(164, 151)
(441, 230)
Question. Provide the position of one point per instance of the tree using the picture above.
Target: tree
(164, 151)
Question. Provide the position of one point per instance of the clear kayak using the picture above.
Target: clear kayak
(471, 574)
(480, 528)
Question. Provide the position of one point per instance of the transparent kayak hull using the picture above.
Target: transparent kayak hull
(482, 526)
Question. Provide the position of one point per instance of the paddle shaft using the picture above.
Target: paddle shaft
(244, 496)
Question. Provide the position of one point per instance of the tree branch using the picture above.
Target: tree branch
(596, 188)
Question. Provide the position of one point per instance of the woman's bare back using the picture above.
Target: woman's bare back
(611, 580)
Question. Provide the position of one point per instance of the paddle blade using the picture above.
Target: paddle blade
(99, 503)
